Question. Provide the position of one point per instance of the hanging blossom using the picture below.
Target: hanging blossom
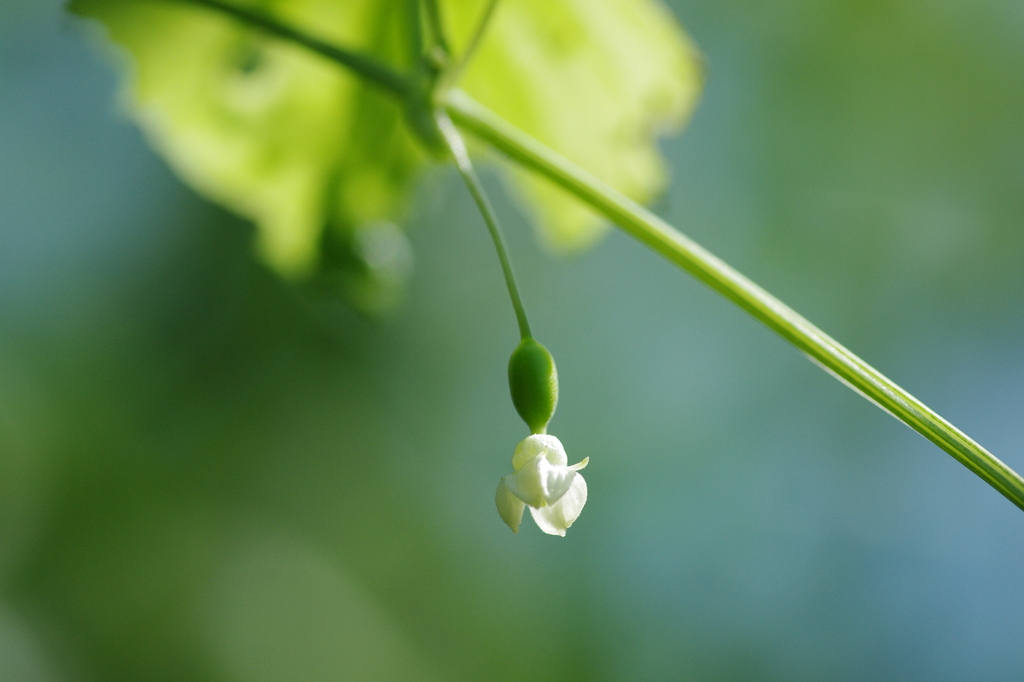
(543, 481)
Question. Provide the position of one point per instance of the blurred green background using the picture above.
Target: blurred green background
(206, 474)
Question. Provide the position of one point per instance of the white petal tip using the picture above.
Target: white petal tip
(510, 507)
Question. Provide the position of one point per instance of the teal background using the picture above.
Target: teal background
(207, 474)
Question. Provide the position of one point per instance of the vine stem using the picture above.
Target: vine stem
(362, 65)
(665, 240)
(434, 24)
(458, 150)
(662, 238)
(451, 75)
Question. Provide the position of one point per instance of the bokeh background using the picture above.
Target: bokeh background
(207, 474)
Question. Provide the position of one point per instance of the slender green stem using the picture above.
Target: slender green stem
(367, 67)
(415, 22)
(677, 248)
(452, 74)
(434, 24)
(465, 166)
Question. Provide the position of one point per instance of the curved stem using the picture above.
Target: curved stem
(690, 256)
(415, 24)
(434, 24)
(366, 67)
(465, 166)
(451, 75)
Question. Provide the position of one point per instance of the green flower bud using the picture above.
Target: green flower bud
(533, 382)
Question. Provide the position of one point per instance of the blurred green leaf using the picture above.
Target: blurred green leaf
(595, 81)
(311, 154)
(264, 127)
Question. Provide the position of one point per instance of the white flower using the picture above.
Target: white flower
(542, 480)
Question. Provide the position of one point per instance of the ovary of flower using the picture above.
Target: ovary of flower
(554, 491)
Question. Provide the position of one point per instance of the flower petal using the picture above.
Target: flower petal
(540, 483)
(539, 444)
(555, 519)
(555, 481)
(526, 483)
(581, 465)
(509, 506)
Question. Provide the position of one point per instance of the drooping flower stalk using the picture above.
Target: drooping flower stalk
(459, 154)
(542, 479)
